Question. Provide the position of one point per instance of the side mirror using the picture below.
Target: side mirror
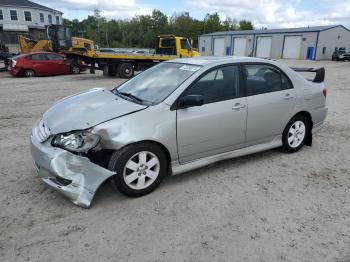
(189, 101)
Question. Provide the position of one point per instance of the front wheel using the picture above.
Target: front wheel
(140, 168)
(295, 134)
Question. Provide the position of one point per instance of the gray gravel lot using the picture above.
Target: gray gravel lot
(269, 206)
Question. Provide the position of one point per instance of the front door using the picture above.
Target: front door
(58, 64)
(185, 48)
(271, 100)
(218, 125)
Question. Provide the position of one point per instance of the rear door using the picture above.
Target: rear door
(218, 125)
(271, 100)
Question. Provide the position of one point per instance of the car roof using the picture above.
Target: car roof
(212, 60)
(33, 53)
(42, 52)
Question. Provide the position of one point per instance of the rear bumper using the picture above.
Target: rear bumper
(74, 176)
(15, 71)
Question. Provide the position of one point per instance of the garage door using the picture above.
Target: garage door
(263, 46)
(219, 46)
(292, 46)
(239, 46)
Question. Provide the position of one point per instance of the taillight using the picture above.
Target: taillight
(13, 63)
(324, 91)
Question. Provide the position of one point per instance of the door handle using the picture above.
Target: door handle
(238, 106)
(288, 97)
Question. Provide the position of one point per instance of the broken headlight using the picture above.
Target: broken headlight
(76, 141)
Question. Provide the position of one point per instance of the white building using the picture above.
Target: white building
(314, 43)
(26, 18)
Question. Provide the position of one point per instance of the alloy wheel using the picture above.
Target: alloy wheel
(141, 170)
(296, 134)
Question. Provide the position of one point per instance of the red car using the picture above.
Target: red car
(42, 64)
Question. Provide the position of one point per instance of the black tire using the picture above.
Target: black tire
(28, 73)
(75, 69)
(286, 146)
(126, 70)
(119, 160)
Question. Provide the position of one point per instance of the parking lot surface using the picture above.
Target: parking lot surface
(269, 206)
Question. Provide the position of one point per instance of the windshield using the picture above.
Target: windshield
(157, 83)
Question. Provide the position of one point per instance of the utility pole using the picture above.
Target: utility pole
(97, 14)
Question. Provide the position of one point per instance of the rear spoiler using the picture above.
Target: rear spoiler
(320, 73)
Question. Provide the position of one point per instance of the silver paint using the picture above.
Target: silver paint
(193, 137)
(87, 109)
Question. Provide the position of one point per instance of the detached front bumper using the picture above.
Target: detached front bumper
(74, 176)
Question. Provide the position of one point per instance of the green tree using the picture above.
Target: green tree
(230, 24)
(141, 31)
(245, 25)
(212, 23)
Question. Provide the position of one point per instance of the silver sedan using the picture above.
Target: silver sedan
(172, 118)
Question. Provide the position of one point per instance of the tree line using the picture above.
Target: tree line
(142, 30)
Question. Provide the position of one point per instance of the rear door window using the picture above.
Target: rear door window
(39, 57)
(262, 79)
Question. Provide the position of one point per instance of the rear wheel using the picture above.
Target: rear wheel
(126, 70)
(140, 168)
(28, 73)
(295, 134)
(75, 69)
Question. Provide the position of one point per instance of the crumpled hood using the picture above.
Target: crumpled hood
(86, 110)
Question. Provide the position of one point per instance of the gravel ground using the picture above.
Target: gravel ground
(269, 206)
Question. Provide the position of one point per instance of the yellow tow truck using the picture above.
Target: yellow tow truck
(124, 65)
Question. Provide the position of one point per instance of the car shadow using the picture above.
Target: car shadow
(107, 195)
(226, 164)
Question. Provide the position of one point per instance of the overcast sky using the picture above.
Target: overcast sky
(263, 13)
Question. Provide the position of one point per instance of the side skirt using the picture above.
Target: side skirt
(178, 168)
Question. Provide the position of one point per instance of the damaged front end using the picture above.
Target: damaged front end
(62, 161)
(66, 152)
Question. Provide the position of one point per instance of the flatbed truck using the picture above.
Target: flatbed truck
(79, 50)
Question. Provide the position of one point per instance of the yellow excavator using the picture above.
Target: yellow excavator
(59, 39)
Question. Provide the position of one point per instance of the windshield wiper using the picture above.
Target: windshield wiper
(130, 96)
